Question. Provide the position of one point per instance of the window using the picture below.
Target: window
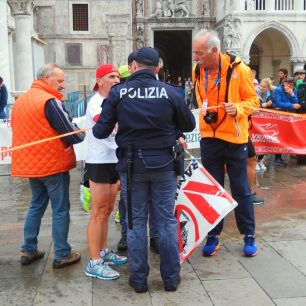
(74, 54)
(80, 17)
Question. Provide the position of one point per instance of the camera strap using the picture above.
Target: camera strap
(233, 63)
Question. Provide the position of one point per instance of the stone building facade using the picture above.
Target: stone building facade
(81, 34)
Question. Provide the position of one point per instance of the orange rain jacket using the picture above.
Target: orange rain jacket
(241, 91)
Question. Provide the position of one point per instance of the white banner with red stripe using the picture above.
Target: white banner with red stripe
(201, 202)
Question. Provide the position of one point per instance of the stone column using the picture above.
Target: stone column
(237, 5)
(270, 5)
(275, 66)
(22, 10)
(4, 54)
(299, 5)
(297, 64)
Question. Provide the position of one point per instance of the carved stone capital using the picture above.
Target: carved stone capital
(295, 59)
(234, 51)
(21, 7)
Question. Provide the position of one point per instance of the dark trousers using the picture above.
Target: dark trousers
(123, 212)
(155, 188)
(215, 155)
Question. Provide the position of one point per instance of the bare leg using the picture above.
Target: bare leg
(102, 198)
(113, 188)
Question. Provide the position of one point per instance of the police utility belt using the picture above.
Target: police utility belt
(175, 154)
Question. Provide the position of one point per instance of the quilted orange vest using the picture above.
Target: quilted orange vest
(29, 124)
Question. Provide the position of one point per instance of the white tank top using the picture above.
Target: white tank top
(100, 151)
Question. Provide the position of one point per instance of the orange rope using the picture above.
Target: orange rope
(85, 129)
(42, 140)
(274, 111)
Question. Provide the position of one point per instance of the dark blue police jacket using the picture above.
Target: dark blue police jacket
(149, 114)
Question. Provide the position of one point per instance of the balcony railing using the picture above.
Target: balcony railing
(275, 5)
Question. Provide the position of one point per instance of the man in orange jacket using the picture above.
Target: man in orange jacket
(39, 114)
(224, 91)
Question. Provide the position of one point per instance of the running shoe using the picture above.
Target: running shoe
(85, 197)
(101, 271)
(117, 217)
(257, 200)
(111, 258)
(212, 246)
(250, 248)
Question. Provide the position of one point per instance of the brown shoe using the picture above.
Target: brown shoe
(28, 257)
(73, 258)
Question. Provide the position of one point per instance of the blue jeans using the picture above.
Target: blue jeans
(215, 154)
(56, 188)
(160, 188)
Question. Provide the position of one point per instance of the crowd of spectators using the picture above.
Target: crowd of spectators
(289, 95)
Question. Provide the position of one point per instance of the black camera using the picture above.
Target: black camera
(211, 117)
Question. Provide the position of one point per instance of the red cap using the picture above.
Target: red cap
(102, 71)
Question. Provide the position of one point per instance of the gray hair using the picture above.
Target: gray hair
(46, 70)
(213, 39)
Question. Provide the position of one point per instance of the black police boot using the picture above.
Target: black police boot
(154, 245)
(122, 244)
(173, 286)
(139, 288)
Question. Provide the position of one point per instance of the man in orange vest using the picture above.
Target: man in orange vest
(39, 114)
(224, 90)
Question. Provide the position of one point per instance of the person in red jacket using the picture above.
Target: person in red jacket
(38, 114)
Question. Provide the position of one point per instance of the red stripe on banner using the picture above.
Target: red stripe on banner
(201, 188)
(178, 209)
(206, 210)
(225, 195)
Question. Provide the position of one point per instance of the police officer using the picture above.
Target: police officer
(149, 114)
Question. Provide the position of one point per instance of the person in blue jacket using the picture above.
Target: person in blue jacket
(3, 99)
(286, 96)
(149, 114)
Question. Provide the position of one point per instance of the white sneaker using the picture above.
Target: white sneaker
(101, 271)
(262, 166)
(257, 167)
